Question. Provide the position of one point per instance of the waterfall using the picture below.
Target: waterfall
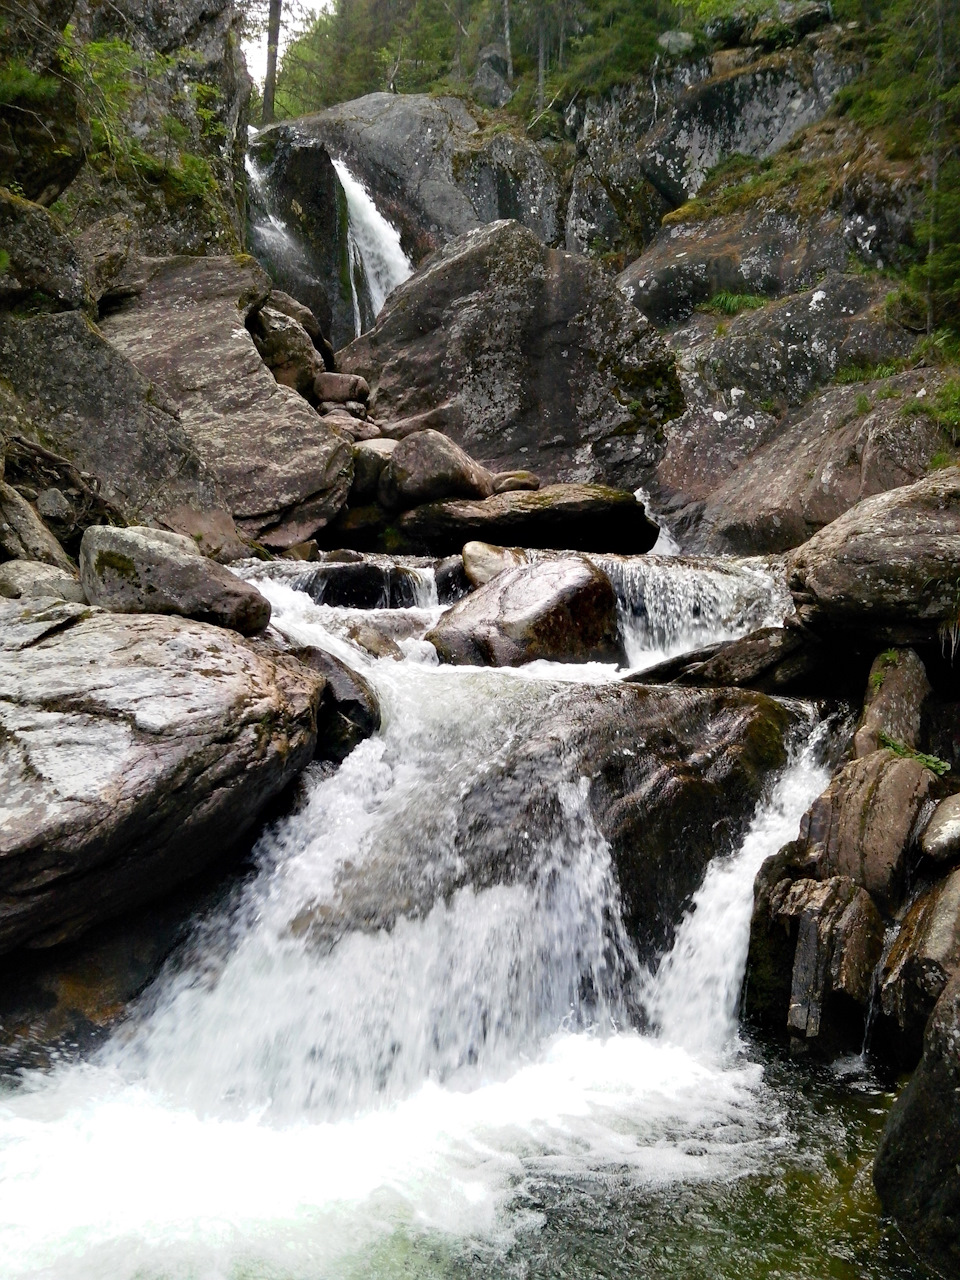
(374, 246)
(324, 1082)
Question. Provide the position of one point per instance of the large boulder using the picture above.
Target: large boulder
(141, 570)
(564, 610)
(429, 467)
(283, 470)
(890, 562)
(134, 752)
(916, 1172)
(23, 535)
(565, 517)
(78, 395)
(896, 690)
(32, 579)
(40, 258)
(527, 357)
(430, 168)
(924, 957)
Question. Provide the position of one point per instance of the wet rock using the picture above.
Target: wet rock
(375, 642)
(563, 610)
(529, 357)
(426, 163)
(915, 1172)
(773, 660)
(349, 710)
(96, 411)
(940, 841)
(29, 579)
(24, 536)
(280, 301)
(896, 689)
(452, 581)
(134, 752)
(140, 570)
(428, 467)
(483, 561)
(566, 517)
(41, 258)
(889, 562)
(283, 470)
(923, 959)
(862, 825)
(370, 457)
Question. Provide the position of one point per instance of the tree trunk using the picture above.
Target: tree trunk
(273, 47)
(506, 41)
(541, 57)
(935, 140)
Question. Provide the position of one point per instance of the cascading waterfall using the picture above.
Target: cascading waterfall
(374, 245)
(325, 1076)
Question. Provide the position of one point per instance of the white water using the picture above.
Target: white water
(374, 244)
(291, 1104)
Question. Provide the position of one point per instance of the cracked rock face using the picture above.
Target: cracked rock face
(134, 752)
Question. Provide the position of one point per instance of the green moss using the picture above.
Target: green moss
(731, 304)
(121, 565)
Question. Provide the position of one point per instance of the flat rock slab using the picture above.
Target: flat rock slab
(561, 517)
(284, 471)
(563, 610)
(134, 751)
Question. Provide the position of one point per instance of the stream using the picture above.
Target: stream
(473, 1091)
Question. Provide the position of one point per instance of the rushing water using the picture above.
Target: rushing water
(304, 1094)
(374, 246)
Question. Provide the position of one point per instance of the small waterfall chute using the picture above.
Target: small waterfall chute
(376, 252)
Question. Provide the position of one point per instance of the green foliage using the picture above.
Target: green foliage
(853, 373)
(863, 404)
(4, 261)
(933, 763)
(731, 304)
(943, 407)
(21, 86)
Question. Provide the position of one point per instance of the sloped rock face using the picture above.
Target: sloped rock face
(564, 611)
(135, 751)
(428, 166)
(891, 561)
(86, 401)
(284, 472)
(41, 257)
(528, 357)
(924, 957)
(915, 1172)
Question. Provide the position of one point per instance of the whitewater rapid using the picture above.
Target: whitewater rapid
(287, 1102)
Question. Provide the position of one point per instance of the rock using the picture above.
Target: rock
(529, 356)
(676, 43)
(426, 163)
(924, 957)
(561, 610)
(370, 457)
(338, 388)
(375, 642)
(135, 751)
(41, 258)
(566, 517)
(515, 481)
(87, 402)
(452, 581)
(30, 579)
(808, 470)
(428, 467)
(24, 536)
(349, 711)
(490, 85)
(862, 825)
(287, 350)
(283, 470)
(141, 570)
(482, 561)
(892, 560)
(896, 690)
(915, 1172)
(940, 841)
(773, 660)
(674, 778)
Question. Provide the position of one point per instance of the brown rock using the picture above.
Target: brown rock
(896, 690)
(429, 467)
(923, 958)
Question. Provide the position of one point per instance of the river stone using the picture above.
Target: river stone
(562, 517)
(563, 610)
(511, 481)
(24, 536)
(27, 579)
(483, 561)
(429, 467)
(772, 660)
(535, 358)
(140, 570)
(134, 752)
(916, 1172)
(349, 710)
(896, 690)
(284, 471)
(892, 560)
(287, 350)
(941, 837)
(369, 459)
(670, 778)
(924, 957)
